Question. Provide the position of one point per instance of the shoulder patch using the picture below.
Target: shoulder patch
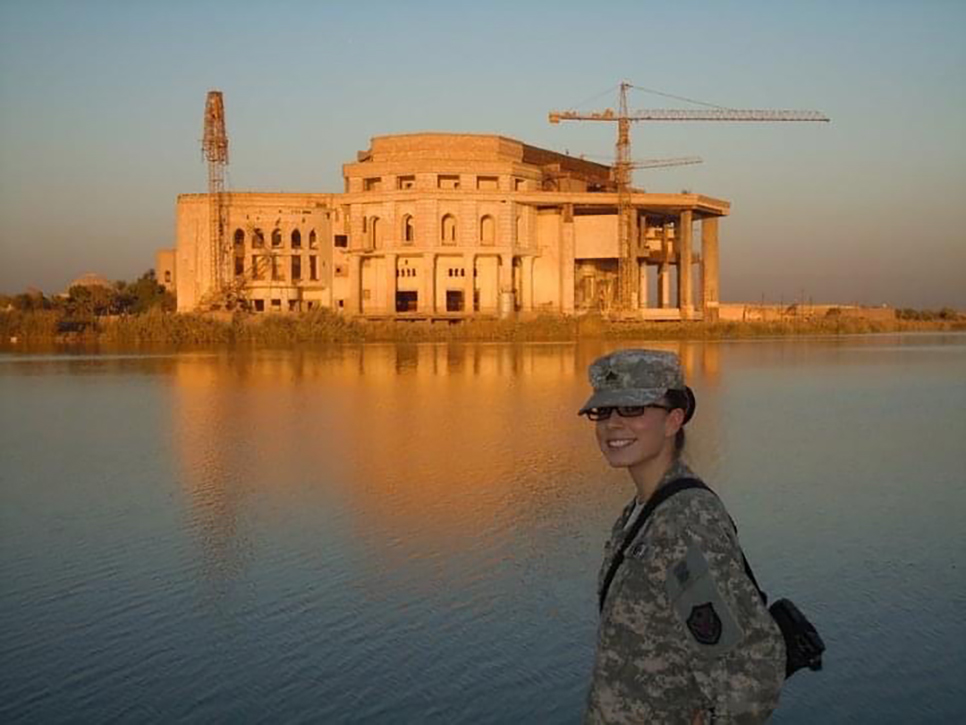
(705, 624)
(699, 604)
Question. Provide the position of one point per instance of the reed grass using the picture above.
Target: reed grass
(324, 326)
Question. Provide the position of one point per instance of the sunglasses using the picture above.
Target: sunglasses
(624, 411)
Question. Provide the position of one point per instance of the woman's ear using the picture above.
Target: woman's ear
(673, 422)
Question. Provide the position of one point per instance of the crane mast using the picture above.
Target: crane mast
(214, 148)
(627, 268)
(627, 272)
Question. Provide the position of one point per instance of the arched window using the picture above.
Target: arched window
(239, 238)
(487, 231)
(408, 230)
(258, 238)
(313, 240)
(375, 233)
(296, 239)
(448, 229)
(276, 238)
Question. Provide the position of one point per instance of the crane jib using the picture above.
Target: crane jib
(673, 114)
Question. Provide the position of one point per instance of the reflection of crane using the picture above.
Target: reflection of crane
(627, 269)
(214, 147)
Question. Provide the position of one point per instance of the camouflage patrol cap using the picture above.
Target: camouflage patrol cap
(636, 377)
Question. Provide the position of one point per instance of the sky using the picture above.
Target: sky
(101, 108)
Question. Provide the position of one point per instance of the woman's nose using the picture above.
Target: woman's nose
(614, 420)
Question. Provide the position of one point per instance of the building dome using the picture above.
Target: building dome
(90, 280)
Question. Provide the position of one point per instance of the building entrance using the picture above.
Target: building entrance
(407, 301)
(454, 300)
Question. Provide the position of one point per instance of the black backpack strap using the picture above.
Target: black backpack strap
(657, 498)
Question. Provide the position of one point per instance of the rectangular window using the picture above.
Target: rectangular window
(519, 184)
(454, 300)
(259, 305)
(341, 241)
(373, 183)
(277, 275)
(448, 181)
(239, 266)
(276, 305)
(405, 182)
(487, 183)
(293, 305)
(296, 268)
(313, 268)
(256, 267)
(407, 301)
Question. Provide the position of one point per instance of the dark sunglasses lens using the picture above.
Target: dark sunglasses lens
(599, 413)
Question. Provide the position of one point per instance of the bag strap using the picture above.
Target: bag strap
(657, 498)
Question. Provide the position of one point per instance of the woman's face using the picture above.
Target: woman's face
(638, 440)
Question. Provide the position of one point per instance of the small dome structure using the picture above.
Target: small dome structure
(90, 279)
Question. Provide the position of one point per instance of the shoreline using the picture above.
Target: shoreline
(23, 331)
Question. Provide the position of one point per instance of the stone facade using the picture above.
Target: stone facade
(437, 225)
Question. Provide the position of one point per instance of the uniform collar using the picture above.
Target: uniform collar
(678, 469)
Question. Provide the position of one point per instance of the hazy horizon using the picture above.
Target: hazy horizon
(101, 116)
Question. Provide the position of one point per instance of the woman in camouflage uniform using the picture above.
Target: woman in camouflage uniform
(684, 636)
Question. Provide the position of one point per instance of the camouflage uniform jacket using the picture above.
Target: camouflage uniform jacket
(683, 629)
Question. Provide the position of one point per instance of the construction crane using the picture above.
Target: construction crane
(662, 163)
(659, 164)
(626, 264)
(552, 173)
(214, 149)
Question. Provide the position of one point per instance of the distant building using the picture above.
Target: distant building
(90, 279)
(164, 267)
(452, 225)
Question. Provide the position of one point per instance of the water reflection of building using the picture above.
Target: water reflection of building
(424, 442)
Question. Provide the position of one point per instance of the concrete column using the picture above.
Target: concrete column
(506, 273)
(467, 265)
(685, 293)
(709, 268)
(471, 283)
(391, 281)
(632, 242)
(526, 283)
(567, 271)
(427, 294)
(642, 285)
(664, 271)
(664, 285)
(355, 284)
(505, 299)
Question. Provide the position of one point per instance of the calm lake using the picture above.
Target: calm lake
(411, 533)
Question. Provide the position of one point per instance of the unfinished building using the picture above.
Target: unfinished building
(447, 226)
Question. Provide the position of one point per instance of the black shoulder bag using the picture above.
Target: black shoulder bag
(803, 644)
